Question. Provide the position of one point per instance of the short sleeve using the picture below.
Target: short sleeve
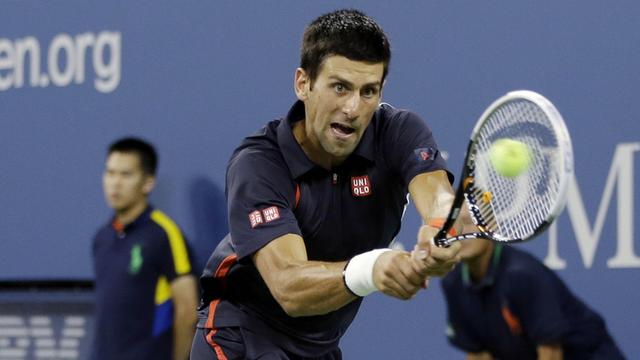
(410, 145)
(261, 200)
(174, 256)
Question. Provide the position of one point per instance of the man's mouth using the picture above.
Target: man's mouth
(342, 131)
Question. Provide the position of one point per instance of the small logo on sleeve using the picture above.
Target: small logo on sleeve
(360, 185)
(255, 218)
(425, 154)
(258, 217)
(270, 214)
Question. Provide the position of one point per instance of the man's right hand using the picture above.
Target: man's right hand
(396, 274)
(401, 274)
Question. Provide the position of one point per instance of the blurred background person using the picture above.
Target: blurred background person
(146, 294)
(503, 303)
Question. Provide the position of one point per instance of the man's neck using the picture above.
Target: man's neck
(479, 265)
(313, 151)
(130, 214)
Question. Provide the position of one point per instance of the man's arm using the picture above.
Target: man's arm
(549, 352)
(305, 288)
(479, 356)
(185, 302)
(300, 286)
(432, 195)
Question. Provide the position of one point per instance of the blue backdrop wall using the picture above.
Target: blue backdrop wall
(195, 76)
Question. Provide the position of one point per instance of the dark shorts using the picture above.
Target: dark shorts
(239, 343)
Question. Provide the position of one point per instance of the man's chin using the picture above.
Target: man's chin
(118, 207)
(342, 152)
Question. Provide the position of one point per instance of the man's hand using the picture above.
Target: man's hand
(396, 274)
(401, 274)
(434, 260)
(432, 195)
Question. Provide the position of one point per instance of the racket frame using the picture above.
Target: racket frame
(466, 178)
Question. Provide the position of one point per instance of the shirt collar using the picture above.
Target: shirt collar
(366, 146)
(489, 277)
(120, 229)
(294, 156)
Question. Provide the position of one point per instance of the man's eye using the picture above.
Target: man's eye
(339, 88)
(369, 92)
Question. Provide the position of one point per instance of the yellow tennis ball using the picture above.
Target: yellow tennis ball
(509, 157)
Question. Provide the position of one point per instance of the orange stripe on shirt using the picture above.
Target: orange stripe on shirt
(212, 313)
(219, 353)
(512, 321)
(221, 272)
(225, 265)
(297, 195)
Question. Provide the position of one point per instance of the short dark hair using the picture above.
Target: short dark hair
(145, 151)
(349, 33)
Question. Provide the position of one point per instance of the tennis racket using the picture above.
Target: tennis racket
(514, 208)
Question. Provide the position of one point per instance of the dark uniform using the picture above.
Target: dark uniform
(519, 304)
(273, 189)
(134, 266)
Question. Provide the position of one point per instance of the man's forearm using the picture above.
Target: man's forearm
(549, 352)
(313, 288)
(183, 331)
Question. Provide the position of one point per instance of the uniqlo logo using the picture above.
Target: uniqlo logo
(271, 214)
(255, 218)
(361, 186)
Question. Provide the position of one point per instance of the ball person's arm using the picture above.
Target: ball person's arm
(479, 356)
(184, 294)
(549, 352)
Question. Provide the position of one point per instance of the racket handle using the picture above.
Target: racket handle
(441, 242)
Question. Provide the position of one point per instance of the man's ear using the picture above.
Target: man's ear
(301, 84)
(149, 184)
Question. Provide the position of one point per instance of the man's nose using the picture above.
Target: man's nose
(350, 107)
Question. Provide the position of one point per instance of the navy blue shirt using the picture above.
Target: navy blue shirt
(273, 189)
(519, 304)
(134, 266)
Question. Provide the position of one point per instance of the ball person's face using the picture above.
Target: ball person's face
(124, 182)
(339, 105)
(475, 248)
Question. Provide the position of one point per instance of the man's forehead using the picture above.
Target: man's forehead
(340, 67)
(128, 159)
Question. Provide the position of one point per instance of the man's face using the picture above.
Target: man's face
(125, 184)
(339, 105)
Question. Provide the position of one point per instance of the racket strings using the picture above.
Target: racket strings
(517, 206)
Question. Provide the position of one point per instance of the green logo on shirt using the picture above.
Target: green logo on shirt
(136, 259)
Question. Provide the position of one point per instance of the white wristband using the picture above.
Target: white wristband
(358, 274)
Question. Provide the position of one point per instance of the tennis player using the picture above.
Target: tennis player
(314, 201)
(505, 304)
